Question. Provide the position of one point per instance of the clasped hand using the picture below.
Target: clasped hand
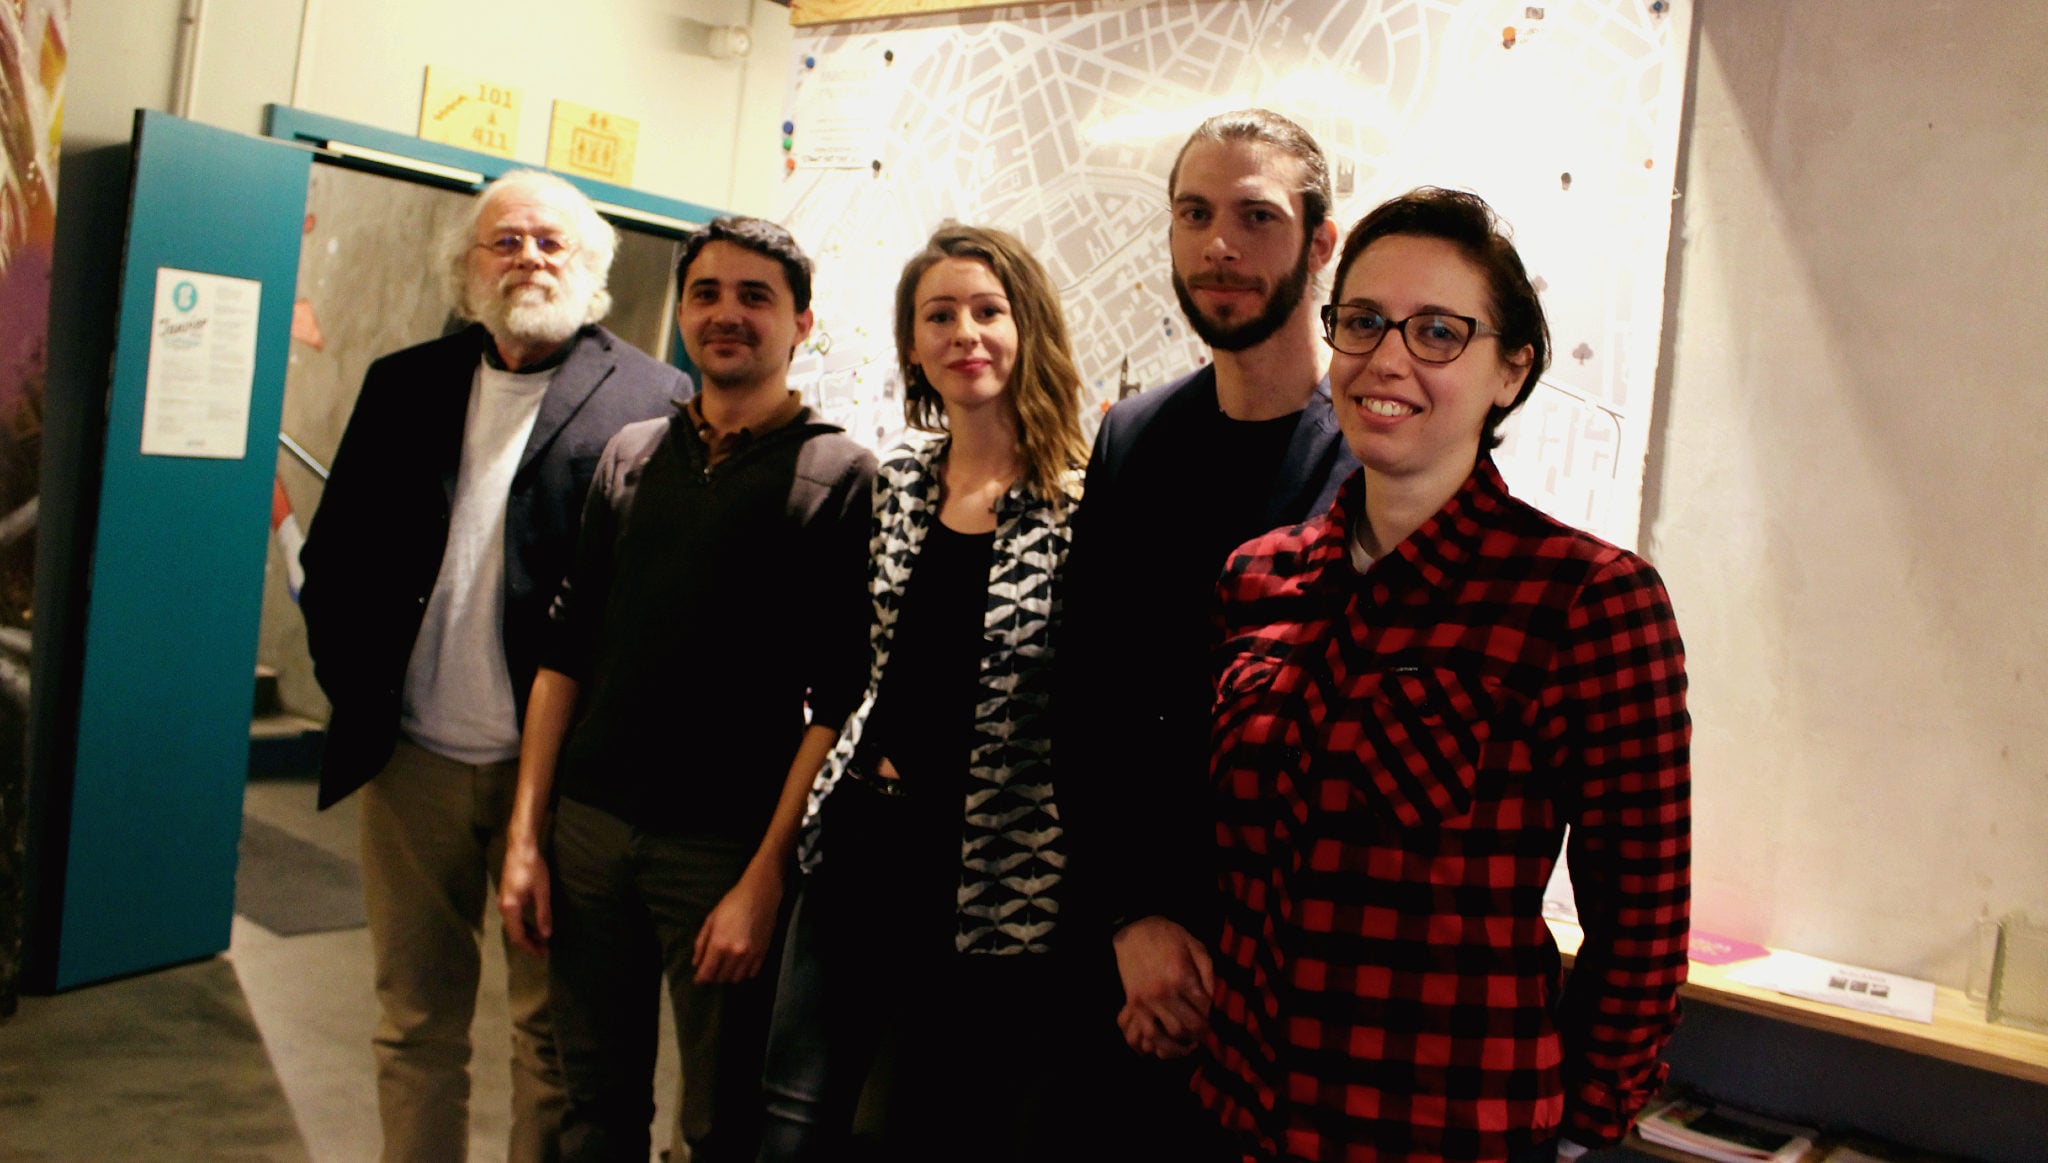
(1168, 981)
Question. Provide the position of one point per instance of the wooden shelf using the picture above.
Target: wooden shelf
(1959, 1033)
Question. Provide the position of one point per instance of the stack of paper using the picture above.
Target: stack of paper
(1723, 1133)
(1851, 986)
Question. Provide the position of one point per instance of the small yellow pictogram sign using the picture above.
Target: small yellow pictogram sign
(468, 111)
(592, 143)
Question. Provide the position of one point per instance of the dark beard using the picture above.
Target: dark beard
(1280, 307)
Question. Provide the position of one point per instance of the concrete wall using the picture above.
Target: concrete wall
(1849, 497)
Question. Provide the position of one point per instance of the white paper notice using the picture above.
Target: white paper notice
(842, 115)
(1844, 985)
(202, 365)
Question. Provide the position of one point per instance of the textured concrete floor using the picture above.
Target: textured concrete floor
(259, 1056)
(166, 1066)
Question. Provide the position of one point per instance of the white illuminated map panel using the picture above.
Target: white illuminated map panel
(1059, 122)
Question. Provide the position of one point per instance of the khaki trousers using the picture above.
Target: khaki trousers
(433, 841)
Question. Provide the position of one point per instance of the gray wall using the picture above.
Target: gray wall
(1849, 494)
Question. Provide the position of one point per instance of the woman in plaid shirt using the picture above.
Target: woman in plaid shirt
(1418, 691)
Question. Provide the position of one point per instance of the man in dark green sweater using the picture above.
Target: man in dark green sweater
(718, 591)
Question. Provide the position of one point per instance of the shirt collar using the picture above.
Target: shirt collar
(1437, 553)
(721, 444)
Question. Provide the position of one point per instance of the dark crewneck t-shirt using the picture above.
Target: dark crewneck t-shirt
(923, 717)
(1241, 457)
(1221, 474)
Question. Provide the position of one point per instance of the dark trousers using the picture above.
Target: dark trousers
(1543, 1151)
(627, 907)
(1140, 1107)
(981, 1042)
(832, 1010)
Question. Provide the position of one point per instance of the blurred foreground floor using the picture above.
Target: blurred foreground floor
(261, 1055)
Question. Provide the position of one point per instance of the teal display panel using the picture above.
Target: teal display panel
(176, 577)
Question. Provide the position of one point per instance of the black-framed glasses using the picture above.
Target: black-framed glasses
(512, 244)
(1432, 337)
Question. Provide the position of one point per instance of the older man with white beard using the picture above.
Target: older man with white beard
(453, 509)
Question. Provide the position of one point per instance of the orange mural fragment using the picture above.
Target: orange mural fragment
(306, 327)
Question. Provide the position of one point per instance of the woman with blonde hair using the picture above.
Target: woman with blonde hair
(934, 851)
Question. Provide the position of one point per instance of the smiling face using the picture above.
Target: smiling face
(524, 281)
(964, 338)
(738, 318)
(1241, 255)
(1404, 418)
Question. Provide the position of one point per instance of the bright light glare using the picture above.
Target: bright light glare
(1305, 95)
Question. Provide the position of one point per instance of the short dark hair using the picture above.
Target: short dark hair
(1465, 221)
(759, 235)
(1265, 127)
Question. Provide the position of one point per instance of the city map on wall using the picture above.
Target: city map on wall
(1059, 123)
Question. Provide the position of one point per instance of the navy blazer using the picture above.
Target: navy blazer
(1317, 460)
(1133, 661)
(375, 547)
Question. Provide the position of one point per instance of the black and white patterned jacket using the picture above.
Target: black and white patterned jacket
(1013, 853)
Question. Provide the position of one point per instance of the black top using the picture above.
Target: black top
(1173, 487)
(706, 606)
(1225, 507)
(1203, 483)
(923, 717)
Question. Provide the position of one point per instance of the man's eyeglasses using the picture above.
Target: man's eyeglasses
(512, 245)
(1431, 338)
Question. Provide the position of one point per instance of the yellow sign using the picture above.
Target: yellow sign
(592, 143)
(470, 112)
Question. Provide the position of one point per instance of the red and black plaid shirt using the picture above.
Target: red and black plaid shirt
(1396, 759)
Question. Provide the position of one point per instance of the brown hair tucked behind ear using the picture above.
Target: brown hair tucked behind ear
(1043, 382)
(1465, 221)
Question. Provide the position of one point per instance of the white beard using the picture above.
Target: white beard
(532, 314)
